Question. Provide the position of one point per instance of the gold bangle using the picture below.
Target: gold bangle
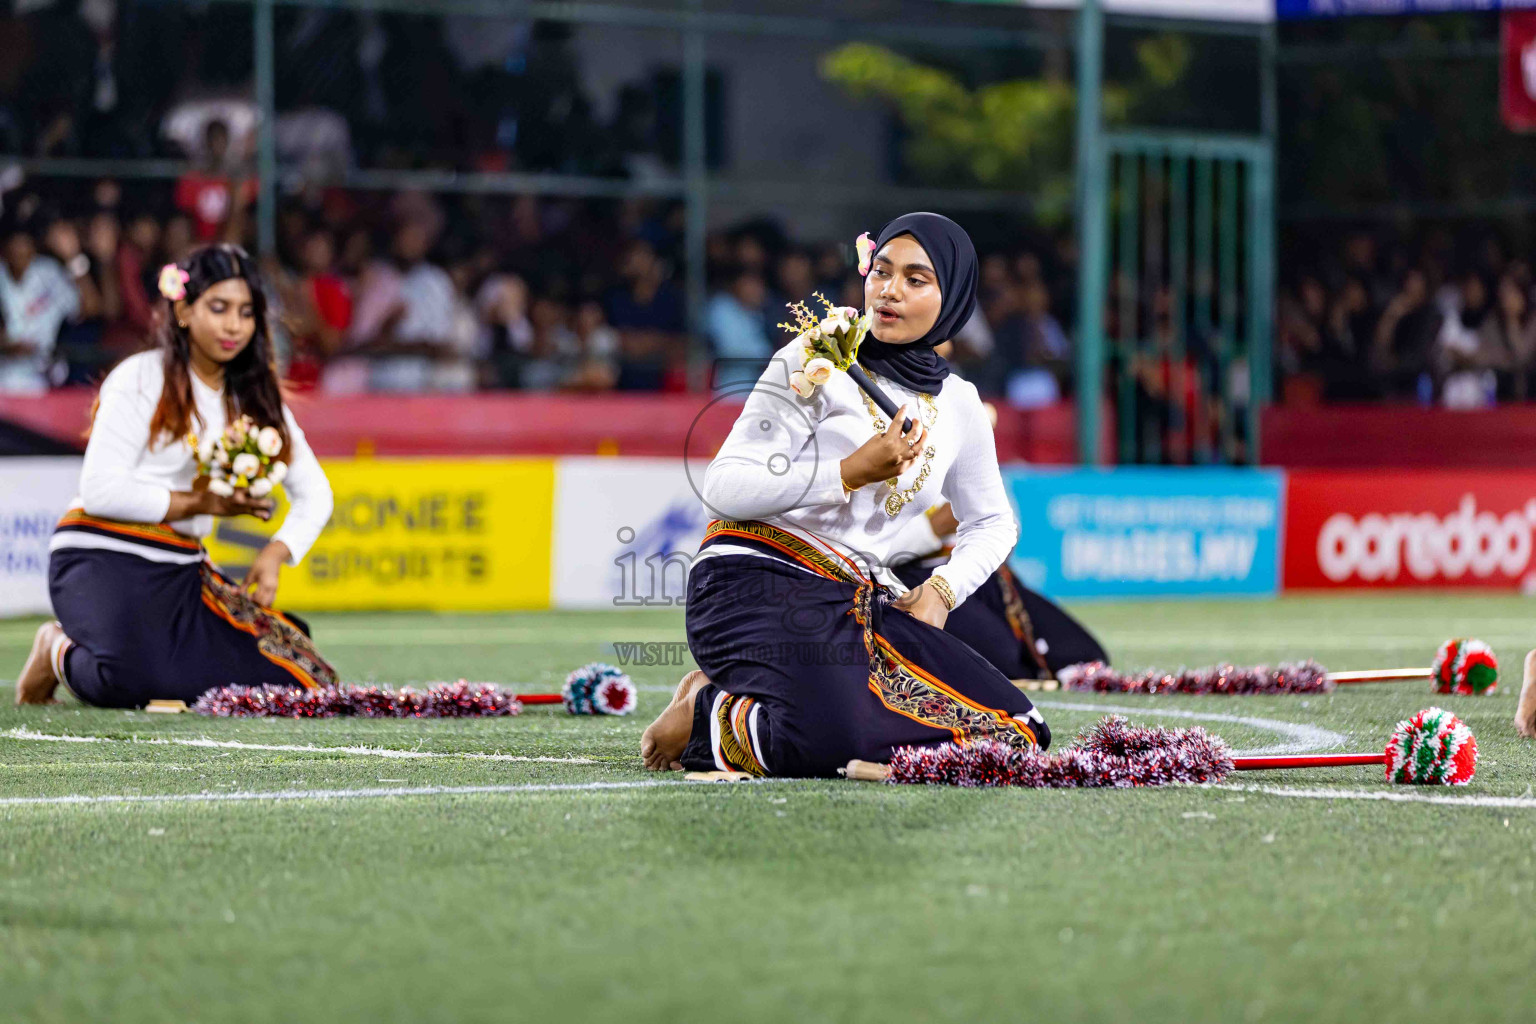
(940, 584)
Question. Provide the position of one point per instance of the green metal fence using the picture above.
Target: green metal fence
(1190, 291)
(1175, 280)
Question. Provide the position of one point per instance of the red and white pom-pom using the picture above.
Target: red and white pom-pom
(1477, 669)
(615, 696)
(599, 689)
(1433, 748)
(1442, 671)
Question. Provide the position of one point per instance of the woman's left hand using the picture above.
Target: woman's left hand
(264, 572)
(923, 602)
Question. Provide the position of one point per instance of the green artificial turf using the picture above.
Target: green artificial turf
(780, 901)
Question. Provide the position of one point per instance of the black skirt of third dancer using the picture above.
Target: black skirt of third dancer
(1004, 618)
(143, 630)
(809, 670)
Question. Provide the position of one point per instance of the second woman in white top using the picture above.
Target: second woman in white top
(810, 651)
(142, 613)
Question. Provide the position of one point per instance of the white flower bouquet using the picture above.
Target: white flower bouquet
(832, 342)
(826, 343)
(243, 457)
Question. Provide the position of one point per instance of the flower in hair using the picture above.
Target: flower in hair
(865, 247)
(173, 282)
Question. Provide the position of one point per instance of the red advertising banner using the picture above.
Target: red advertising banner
(1517, 70)
(1405, 529)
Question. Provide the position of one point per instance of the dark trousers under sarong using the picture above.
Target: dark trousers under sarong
(809, 670)
(1004, 619)
(142, 630)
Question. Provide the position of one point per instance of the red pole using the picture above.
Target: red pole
(1254, 764)
(540, 698)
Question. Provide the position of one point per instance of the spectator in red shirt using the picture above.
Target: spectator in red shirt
(135, 266)
(323, 309)
(209, 195)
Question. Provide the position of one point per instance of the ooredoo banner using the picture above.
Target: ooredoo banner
(1410, 529)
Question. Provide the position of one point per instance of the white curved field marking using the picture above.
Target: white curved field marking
(1303, 738)
(1393, 796)
(290, 748)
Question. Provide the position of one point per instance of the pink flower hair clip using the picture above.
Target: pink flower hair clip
(865, 247)
(173, 282)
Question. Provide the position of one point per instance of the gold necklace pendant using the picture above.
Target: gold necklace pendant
(900, 496)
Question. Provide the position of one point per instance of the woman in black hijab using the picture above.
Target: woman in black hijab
(811, 652)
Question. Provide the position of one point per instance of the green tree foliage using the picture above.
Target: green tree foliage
(1015, 134)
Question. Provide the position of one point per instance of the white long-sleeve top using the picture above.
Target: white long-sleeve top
(126, 478)
(780, 464)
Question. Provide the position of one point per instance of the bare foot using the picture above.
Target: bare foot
(664, 739)
(1525, 712)
(37, 682)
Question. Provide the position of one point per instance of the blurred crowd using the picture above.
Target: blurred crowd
(411, 292)
(357, 88)
(1443, 320)
(379, 291)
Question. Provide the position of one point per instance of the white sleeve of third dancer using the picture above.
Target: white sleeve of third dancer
(770, 463)
(988, 528)
(309, 495)
(915, 539)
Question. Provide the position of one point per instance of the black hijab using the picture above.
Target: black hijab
(915, 365)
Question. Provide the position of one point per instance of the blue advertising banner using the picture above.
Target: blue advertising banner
(1348, 8)
(1148, 532)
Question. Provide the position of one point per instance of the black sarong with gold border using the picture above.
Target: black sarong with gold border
(143, 630)
(809, 670)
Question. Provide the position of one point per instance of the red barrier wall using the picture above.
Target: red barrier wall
(1409, 529)
(536, 424)
(1366, 436)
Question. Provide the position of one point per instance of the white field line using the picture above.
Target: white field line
(291, 748)
(335, 794)
(1392, 796)
(1303, 738)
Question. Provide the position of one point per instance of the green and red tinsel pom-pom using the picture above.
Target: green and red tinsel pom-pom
(349, 700)
(1465, 666)
(1097, 677)
(1113, 754)
(1433, 748)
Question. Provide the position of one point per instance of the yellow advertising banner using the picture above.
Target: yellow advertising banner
(425, 534)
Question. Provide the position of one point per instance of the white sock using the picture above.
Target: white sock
(56, 653)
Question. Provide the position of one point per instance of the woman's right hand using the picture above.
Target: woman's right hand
(200, 501)
(886, 455)
(238, 504)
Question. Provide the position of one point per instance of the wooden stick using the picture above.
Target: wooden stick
(866, 771)
(1036, 685)
(1379, 675)
(1259, 764)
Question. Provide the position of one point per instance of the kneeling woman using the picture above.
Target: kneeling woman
(811, 652)
(142, 613)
